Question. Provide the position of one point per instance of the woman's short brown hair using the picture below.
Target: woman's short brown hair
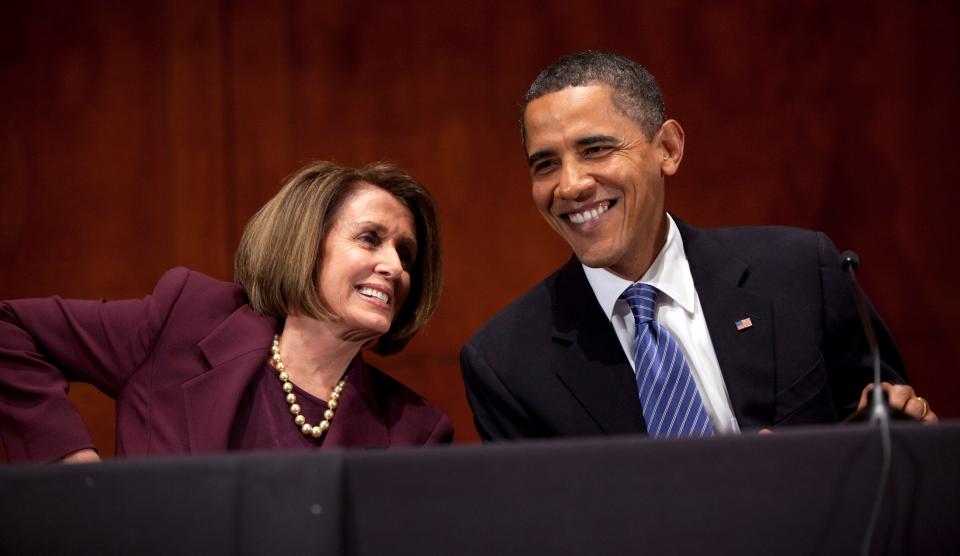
(280, 254)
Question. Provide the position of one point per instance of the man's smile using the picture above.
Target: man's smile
(589, 214)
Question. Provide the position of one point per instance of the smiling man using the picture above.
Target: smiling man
(655, 326)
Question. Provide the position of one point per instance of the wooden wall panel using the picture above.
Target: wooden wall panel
(80, 143)
(112, 160)
(145, 136)
(200, 159)
(257, 71)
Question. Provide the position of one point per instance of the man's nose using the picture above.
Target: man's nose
(576, 184)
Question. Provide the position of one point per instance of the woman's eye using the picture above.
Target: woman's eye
(369, 239)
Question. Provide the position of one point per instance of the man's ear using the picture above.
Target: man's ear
(670, 144)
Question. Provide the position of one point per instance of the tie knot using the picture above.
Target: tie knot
(641, 298)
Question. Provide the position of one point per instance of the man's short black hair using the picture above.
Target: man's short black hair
(635, 91)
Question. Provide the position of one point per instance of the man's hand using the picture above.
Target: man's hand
(87, 455)
(902, 397)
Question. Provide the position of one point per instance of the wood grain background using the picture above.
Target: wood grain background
(141, 136)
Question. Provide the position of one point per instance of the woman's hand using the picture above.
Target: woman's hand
(902, 397)
(87, 455)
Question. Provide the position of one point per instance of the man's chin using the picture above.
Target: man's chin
(594, 259)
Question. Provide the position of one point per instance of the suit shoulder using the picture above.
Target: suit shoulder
(393, 392)
(521, 316)
(764, 236)
(192, 298)
(413, 420)
(186, 284)
(779, 247)
(196, 281)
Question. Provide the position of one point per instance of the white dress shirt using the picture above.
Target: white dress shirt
(678, 309)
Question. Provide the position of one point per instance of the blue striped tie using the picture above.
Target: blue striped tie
(669, 398)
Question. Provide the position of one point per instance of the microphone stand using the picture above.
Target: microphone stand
(877, 412)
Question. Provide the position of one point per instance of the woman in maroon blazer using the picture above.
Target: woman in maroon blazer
(338, 260)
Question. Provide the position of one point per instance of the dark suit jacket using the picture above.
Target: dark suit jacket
(178, 362)
(550, 364)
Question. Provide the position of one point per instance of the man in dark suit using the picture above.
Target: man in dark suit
(745, 328)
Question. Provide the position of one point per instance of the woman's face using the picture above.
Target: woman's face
(367, 257)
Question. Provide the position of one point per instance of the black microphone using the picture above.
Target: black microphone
(877, 410)
(849, 261)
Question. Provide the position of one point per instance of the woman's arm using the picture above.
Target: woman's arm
(47, 343)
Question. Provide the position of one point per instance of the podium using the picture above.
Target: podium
(800, 491)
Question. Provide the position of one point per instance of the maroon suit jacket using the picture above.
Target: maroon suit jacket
(177, 362)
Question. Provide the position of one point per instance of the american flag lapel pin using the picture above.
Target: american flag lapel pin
(743, 324)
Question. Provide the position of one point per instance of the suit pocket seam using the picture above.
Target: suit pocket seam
(806, 376)
(817, 373)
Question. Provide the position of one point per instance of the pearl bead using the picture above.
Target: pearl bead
(291, 398)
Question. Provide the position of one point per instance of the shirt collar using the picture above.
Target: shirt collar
(669, 273)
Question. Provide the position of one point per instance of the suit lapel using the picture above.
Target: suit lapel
(746, 357)
(589, 360)
(235, 352)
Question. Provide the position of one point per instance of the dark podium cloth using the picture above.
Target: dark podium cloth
(803, 491)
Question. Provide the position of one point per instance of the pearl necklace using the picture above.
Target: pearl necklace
(287, 387)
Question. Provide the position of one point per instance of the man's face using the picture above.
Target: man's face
(597, 179)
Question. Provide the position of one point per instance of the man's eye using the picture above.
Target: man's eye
(544, 167)
(596, 150)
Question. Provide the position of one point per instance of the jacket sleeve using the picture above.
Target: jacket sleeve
(442, 433)
(846, 352)
(47, 343)
(497, 414)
